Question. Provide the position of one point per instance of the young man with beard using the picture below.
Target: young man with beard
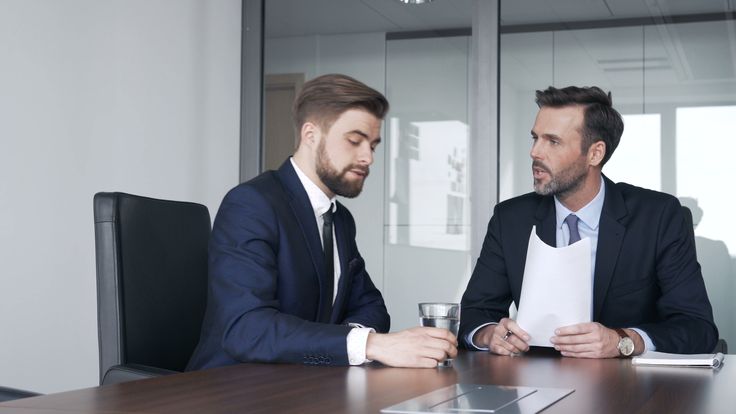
(648, 291)
(286, 280)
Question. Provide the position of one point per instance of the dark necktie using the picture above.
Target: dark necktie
(572, 224)
(329, 280)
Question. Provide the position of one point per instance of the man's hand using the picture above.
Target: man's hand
(494, 337)
(592, 340)
(420, 347)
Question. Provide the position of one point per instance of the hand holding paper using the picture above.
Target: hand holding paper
(587, 340)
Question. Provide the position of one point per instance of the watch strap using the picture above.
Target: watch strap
(621, 333)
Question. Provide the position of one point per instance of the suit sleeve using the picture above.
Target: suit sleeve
(686, 324)
(488, 295)
(244, 289)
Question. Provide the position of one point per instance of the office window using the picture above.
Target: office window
(637, 158)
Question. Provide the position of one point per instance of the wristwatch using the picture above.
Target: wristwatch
(625, 343)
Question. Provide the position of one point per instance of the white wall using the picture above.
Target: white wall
(137, 96)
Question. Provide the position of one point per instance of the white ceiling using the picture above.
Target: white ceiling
(515, 12)
(308, 17)
(701, 55)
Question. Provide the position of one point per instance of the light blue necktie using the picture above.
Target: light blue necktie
(572, 224)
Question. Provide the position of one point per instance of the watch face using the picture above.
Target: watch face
(626, 346)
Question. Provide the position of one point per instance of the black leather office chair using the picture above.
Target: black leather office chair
(151, 284)
(721, 345)
(7, 394)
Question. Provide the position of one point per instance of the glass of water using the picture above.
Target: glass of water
(441, 315)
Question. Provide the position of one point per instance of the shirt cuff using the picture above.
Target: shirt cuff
(648, 344)
(469, 337)
(357, 340)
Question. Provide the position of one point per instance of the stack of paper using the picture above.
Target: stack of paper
(679, 360)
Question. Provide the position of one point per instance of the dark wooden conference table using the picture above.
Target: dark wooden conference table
(601, 386)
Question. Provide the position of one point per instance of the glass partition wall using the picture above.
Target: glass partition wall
(427, 200)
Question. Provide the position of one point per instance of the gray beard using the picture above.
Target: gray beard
(564, 183)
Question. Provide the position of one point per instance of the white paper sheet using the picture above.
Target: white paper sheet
(557, 288)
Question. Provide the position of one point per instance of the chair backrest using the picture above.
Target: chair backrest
(151, 279)
(9, 394)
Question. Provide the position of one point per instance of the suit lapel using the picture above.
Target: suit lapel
(302, 208)
(610, 237)
(341, 234)
(546, 221)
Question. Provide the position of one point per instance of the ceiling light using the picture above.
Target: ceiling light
(415, 1)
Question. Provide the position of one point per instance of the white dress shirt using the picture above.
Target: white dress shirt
(358, 336)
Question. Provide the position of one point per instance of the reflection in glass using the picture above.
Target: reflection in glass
(429, 187)
(427, 225)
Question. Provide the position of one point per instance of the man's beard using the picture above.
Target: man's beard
(336, 181)
(564, 182)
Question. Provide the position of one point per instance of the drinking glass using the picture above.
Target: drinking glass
(441, 315)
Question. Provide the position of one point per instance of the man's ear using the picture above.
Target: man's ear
(596, 152)
(309, 134)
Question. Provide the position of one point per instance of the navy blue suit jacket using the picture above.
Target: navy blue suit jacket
(646, 272)
(265, 266)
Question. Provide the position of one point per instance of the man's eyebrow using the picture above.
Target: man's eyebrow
(357, 132)
(545, 135)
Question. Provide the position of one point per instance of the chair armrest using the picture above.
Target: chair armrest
(132, 372)
(7, 394)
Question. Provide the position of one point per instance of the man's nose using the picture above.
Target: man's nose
(365, 157)
(535, 151)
